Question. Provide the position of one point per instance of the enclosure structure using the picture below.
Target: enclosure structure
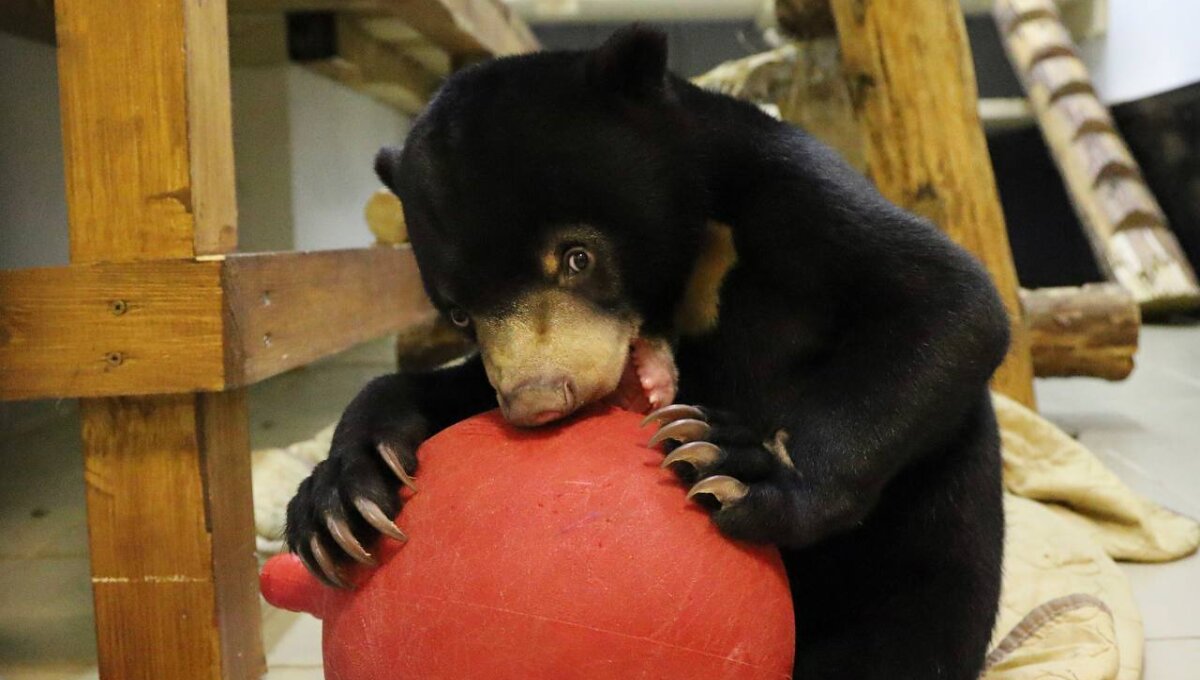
(158, 326)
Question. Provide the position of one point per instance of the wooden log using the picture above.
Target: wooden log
(913, 91)
(1038, 39)
(1125, 226)
(1087, 331)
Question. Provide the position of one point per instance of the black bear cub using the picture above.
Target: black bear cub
(816, 358)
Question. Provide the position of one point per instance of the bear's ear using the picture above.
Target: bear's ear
(386, 163)
(632, 62)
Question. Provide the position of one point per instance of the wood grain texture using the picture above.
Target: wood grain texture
(913, 91)
(1124, 224)
(1087, 331)
(210, 127)
(173, 326)
(168, 506)
(288, 309)
(110, 329)
(123, 96)
(224, 443)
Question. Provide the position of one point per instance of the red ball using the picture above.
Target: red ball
(561, 552)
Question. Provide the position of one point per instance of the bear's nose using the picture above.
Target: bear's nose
(538, 401)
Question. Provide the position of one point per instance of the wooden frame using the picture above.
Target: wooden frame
(158, 326)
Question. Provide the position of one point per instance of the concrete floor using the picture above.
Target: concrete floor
(1146, 428)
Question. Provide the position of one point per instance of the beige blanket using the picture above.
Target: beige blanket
(1066, 610)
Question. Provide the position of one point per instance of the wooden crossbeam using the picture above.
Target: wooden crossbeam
(170, 326)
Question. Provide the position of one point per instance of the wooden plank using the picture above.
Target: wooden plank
(171, 536)
(913, 91)
(289, 309)
(171, 326)
(110, 329)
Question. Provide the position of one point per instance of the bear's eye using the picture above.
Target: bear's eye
(459, 318)
(577, 260)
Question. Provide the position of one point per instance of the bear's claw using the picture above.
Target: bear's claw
(682, 431)
(672, 413)
(328, 570)
(340, 531)
(393, 461)
(724, 488)
(696, 454)
(376, 518)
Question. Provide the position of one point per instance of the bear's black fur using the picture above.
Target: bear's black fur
(851, 327)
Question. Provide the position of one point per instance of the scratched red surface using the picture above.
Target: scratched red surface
(553, 553)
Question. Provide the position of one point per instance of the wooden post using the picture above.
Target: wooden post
(144, 88)
(912, 87)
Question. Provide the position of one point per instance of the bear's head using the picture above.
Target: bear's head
(555, 209)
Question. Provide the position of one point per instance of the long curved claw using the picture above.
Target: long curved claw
(672, 413)
(696, 454)
(393, 461)
(376, 518)
(682, 431)
(724, 488)
(327, 567)
(345, 538)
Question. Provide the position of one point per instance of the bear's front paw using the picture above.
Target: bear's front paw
(748, 484)
(348, 501)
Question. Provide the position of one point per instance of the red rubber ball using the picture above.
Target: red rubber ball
(557, 553)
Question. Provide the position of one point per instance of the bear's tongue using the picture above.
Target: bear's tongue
(650, 377)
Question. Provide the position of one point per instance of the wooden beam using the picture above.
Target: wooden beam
(381, 69)
(468, 28)
(171, 536)
(136, 104)
(913, 90)
(465, 28)
(183, 326)
(144, 93)
(1125, 226)
(289, 309)
(1087, 331)
(110, 329)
